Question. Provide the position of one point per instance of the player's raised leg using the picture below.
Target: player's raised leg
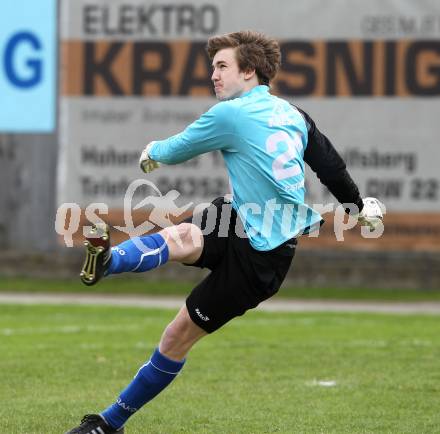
(180, 243)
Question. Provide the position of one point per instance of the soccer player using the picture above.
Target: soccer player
(264, 141)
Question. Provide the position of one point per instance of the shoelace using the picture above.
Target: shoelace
(87, 418)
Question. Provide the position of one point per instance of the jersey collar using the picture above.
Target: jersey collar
(262, 88)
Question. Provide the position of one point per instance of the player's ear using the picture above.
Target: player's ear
(249, 74)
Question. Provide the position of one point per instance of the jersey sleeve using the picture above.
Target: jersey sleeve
(214, 130)
(329, 166)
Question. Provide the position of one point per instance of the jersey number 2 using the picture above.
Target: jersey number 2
(280, 166)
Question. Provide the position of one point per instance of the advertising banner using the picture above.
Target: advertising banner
(368, 73)
(28, 66)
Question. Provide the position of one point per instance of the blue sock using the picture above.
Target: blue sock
(139, 254)
(150, 380)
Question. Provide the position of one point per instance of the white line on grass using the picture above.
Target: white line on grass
(274, 305)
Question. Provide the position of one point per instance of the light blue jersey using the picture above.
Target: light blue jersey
(262, 139)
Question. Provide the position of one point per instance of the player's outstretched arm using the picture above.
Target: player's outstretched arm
(325, 161)
(214, 130)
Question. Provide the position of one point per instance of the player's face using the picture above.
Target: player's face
(229, 81)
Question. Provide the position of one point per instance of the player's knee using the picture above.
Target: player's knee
(179, 336)
(190, 234)
(172, 335)
(185, 242)
(173, 339)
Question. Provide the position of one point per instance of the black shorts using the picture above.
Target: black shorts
(241, 277)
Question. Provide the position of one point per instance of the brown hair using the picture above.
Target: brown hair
(253, 51)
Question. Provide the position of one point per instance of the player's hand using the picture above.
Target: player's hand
(145, 162)
(371, 214)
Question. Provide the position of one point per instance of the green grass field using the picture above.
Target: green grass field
(260, 374)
